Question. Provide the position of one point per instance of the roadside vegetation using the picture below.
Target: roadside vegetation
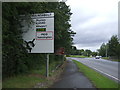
(107, 58)
(22, 81)
(16, 61)
(110, 50)
(34, 79)
(98, 80)
(77, 56)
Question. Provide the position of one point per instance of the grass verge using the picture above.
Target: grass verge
(22, 81)
(36, 79)
(96, 78)
(107, 58)
(78, 56)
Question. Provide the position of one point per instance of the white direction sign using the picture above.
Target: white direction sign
(48, 35)
(39, 35)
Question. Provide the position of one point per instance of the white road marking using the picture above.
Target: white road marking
(106, 74)
(102, 72)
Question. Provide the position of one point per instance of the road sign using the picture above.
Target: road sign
(47, 35)
(60, 51)
(39, 33)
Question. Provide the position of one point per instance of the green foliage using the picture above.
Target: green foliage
(102, 50)
(22, 81)
(75, 51)
(94, 54)
(15, 58)
(112, 48)
(87, 52)
(78, 56)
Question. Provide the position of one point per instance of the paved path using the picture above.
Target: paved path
(72, 78)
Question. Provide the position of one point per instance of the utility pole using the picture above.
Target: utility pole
(106, 50)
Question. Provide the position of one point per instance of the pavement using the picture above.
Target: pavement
(105, 67)
(72, 78)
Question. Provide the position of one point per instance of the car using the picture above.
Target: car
(97, 57)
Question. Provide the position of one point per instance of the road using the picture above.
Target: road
(105, 67)
(72, 78)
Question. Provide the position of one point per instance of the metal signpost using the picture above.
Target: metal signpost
(39, 34)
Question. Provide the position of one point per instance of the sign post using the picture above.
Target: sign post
(47, 66)
(39, 35)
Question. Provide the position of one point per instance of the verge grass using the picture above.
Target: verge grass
(33, 79)
(22, 81)
(96, 78)
(107, 58)
(78, 56)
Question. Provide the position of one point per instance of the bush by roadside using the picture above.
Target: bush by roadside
(35, 79)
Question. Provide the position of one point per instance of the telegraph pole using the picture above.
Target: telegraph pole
(106, 50)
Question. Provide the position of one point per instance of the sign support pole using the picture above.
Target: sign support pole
(47, 66)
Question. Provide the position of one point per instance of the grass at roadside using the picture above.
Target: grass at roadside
(118, 60)
(96, 78)
(35, 79)
(22, 81)
(107, 58)
(78, 56)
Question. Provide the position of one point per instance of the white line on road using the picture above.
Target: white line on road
(106, 73)
(103, 72)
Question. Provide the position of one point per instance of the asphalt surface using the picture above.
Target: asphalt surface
(72, 78)
(105, 67)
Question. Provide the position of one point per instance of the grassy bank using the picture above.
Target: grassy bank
(35, 79)
(96, 78)
(107, 58)
(22, 81)
(78, 56)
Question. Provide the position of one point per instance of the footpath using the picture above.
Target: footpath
(72, 78)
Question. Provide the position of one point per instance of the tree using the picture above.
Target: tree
(94, 54)
(81, 51)
(102, 50)
(114, 46)
(87, 52)
(15, 57)
(118, 51)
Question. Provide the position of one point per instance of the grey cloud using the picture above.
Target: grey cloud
(95, 35)
(93, 26)
(80, 20)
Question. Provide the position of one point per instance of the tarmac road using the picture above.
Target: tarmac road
(72, 78)
(106, 67)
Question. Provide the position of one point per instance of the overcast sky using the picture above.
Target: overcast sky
(94, 22)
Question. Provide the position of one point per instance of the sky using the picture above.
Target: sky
(94, 22)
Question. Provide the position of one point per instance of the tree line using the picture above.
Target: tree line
(111, 48)
(86, 52)
(15, 58)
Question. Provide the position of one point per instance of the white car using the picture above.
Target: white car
(97, 57)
